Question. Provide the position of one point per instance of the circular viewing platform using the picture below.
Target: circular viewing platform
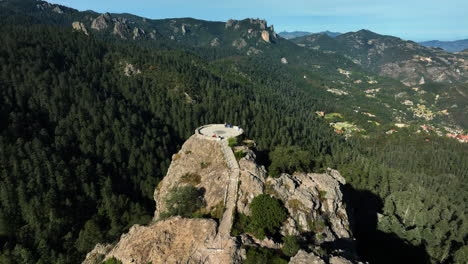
(220, 131)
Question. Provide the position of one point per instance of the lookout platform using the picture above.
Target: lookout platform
(221, 131)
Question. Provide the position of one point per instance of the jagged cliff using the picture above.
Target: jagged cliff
(314, 203)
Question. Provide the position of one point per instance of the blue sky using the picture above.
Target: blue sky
(409, 19)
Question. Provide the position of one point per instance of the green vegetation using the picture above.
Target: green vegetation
(191, 178)
(218, 211)
(112, 261)
(268, 214)
(263, 256)
(291, 246)
(184, 201)
(232, 141)
(239, 154)
(333, 116)
(205, 165)
(288, 160)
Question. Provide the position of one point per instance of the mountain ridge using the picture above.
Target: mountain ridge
(296, 34)
(451, 46)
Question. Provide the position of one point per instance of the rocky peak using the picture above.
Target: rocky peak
(101, 22)
(314, 203)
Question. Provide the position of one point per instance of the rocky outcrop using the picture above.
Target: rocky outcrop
(130, 70)
(78, 26)
(215, 42)
(199, 163)
(230, 23)
(252, 181)
(98, 254)
(266, 36)
(57, 10)
(101, 22)
(153, 34)
(302, 257)
(315, 204)
(138, 33)
(239, 43)
(184, 29)
(175, 240)
(121, 28)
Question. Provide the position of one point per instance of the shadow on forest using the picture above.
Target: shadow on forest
(373, 245)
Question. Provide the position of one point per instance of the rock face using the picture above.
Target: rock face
(303, 257)
(101, 22)
(252, 178)
(138, 33)
(202, 159)
(97, 254)
(215, 42)
(176, 240)
(266, 36)
(239, 43)
(121, 28)
(57, 10)
(78, 26)
(315, 204)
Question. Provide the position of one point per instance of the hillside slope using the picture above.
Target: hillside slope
(393, 57)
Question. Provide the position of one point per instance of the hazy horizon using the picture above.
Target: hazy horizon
(413, 20)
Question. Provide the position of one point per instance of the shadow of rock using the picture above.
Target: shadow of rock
(375, 246)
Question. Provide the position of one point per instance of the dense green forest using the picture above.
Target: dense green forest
(83, 145)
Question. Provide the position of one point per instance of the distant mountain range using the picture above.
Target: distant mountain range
(391, 56)
(451, 46)
(297, 34)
